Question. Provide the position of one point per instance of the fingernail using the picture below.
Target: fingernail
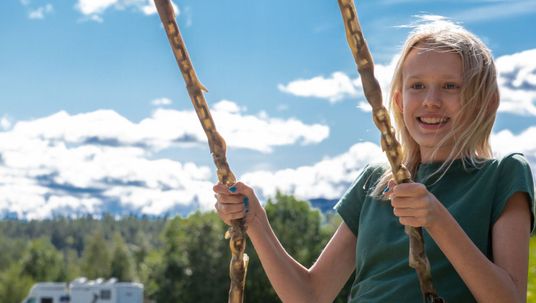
(232, 189)
(245, 200)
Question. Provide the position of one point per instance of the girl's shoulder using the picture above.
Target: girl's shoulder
(513, 159)
(511, 163)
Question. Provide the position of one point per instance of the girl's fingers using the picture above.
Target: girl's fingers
(228, 208)
(409, 212)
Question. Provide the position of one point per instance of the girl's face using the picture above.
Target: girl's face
(430, 99)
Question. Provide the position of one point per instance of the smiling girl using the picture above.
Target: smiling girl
(475, 210)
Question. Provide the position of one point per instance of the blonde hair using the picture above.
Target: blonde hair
(479, 96)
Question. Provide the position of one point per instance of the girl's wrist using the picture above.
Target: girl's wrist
(441, 214)
(255, 219)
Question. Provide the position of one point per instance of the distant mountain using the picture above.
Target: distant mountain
(114, 209)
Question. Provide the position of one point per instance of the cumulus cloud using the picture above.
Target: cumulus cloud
(167, 127)
(40, 12)
(161, 102)
(5, 123)
(94, 9)
(37, 12)
(505, 142)
(340, 86)
(327, 179)
(517, 81)
(102, 162)
(43, 177)
(333, 89)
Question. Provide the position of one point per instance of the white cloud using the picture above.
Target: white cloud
(340, 86)
(41, 179)
(517, 82)
(161, 102)
(93, 9)
(5, 123)
(100, 161)
(44, 176)
(227, 106)
(40, 12)
(505, 142)
(167, 127)
(327, 179)
(149, 8)
(333, 89)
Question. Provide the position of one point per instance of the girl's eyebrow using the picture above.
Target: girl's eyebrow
(453, 77)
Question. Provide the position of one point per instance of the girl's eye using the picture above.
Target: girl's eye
(417, 85)
(451, 86)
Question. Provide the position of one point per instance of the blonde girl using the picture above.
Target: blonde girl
(475, 210)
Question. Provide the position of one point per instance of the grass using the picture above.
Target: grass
(531, 289)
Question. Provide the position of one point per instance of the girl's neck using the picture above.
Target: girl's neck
(429, 155)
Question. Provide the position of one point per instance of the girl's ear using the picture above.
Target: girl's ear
(398, 101)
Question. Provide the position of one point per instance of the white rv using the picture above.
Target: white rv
(83, 291)
(48, 292)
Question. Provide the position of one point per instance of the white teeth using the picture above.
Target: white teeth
(433, 120)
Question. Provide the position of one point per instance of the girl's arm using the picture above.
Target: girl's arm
(502, 280)
(291, 281)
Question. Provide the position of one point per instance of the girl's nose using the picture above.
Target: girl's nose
(432, 98)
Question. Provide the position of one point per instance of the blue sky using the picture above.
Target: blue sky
(94, 114)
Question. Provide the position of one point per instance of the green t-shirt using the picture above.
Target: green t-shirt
(475, 197)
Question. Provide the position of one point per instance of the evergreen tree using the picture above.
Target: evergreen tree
(195, 261)
(122, 263)
(96, 257)
(14, 285)
(42, 261)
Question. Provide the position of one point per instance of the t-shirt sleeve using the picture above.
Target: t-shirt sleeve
(515, 176)
(349, 206)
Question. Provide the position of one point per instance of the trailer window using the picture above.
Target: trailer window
(105, 294)
(47, 300)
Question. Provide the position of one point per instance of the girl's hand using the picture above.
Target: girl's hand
(414, 205)
(236, 202)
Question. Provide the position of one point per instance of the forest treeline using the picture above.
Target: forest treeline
(176, 259)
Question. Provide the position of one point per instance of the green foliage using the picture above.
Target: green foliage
(531, 287)
(122, 263)
(96, 260)
(194, 257)
(177, 260)
(14, 285)
(297, 226)
(42, 261)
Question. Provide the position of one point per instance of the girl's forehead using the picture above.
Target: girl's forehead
(426, 62)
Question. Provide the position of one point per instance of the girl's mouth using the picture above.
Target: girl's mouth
(433, 121)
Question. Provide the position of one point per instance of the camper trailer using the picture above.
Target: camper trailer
(48, 292)
(82, 290)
